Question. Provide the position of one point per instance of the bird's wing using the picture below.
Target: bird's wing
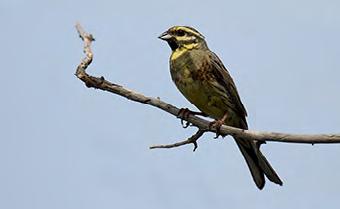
(226, 84)
(257, 163)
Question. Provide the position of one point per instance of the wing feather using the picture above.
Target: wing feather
(225, 82)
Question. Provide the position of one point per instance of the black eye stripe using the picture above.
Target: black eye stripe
(180, 32)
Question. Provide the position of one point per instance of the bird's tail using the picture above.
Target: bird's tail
(257, 163)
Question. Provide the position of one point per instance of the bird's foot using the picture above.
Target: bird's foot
(217, 125)
(184, 113)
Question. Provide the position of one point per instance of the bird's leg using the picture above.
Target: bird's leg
(184, 113)
(217, 124)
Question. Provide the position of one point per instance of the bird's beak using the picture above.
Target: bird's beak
(165, 36)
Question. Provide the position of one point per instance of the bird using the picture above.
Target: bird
(201, 77)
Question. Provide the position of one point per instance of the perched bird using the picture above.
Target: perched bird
(202, 78)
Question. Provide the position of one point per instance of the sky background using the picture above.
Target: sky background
(63, 145)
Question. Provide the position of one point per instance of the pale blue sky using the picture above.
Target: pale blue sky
(65, 146)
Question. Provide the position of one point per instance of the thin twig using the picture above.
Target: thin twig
(191, 140)
(201, 124)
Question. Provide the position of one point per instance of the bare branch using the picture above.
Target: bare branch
(192, 140)
(201, 124)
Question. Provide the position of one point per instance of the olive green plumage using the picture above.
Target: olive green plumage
(202, 78)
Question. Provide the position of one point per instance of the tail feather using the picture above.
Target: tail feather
(257, 163)
(268, 169)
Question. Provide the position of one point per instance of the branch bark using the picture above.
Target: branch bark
(200, 123)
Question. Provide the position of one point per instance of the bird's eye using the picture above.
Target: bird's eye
(180, 33)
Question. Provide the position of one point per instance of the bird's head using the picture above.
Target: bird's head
(183, 36)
